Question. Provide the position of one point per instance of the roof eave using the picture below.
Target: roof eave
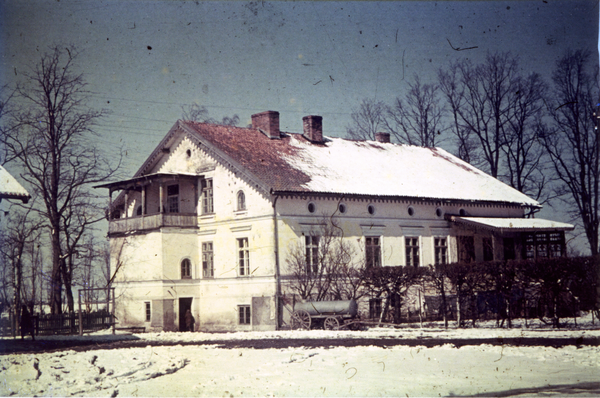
(15, 196)
(402, 198)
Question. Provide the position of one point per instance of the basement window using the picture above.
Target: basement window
(148, 310)
(375, 308)
(244, 314)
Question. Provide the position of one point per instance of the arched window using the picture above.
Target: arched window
(241, 200)
(186, 269)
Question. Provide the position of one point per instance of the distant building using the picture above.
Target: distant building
(209, 219)
(10, 187)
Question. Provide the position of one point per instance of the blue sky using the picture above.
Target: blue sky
(145, 59)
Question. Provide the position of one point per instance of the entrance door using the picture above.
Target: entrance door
(184, 305)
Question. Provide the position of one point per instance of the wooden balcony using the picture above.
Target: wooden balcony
(150, 222)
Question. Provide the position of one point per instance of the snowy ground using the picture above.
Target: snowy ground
(207, 370)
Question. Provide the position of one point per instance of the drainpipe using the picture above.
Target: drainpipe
(277, 273)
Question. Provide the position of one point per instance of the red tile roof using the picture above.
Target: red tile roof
(257, 153)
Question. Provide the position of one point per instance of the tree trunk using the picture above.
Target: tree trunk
(444, 313)
(56, 279)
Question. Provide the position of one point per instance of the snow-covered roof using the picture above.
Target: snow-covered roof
(10, 187)
(517, 224)
(339, 166)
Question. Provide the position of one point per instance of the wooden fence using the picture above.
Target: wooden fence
(69, 323)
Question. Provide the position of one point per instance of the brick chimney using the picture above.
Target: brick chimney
(313, 128)
(382, 137)
(268, 122)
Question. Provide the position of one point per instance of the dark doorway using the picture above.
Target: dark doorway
(184, 305)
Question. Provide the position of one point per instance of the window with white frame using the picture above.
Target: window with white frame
(441, 250)
(186, 269)
(243, 257)
(207, 196)
(148, 309)
(311, 244)
(412, 251)
(173, 198)
(208, 269)
(244, 315)
(373, 251)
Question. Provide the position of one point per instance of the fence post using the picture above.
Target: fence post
(114, 321)
(80, 315)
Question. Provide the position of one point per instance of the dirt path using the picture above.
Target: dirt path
(18, 346)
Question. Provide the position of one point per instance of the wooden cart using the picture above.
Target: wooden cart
(331, 315)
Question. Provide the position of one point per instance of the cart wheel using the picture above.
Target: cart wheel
(301, 320)
(331, 323)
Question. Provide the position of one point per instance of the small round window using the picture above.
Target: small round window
(188, 153)
(312, 207)
(371, 209)
(342, 208)
(439, 213)
(411, 211)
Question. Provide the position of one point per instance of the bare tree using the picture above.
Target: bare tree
(19, 235)
(488, 95)
(48, 139)
(572, 140)
(416, 119)
(199, 113)
(524, 158)
(392, 283)
(367, 120)
(453, 91)
(323, 266)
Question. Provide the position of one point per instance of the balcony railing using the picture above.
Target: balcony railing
(155, 221)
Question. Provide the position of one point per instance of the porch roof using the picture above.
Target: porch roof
(10, 187)
(143, 180)
(502, 225)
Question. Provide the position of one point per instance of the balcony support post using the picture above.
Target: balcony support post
(161, 195)
(110, 209)
(144, 200)
(126, 203)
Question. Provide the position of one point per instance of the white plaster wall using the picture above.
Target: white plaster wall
(219, 300)
(391, 222)
(178, 160)
(179, 244)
